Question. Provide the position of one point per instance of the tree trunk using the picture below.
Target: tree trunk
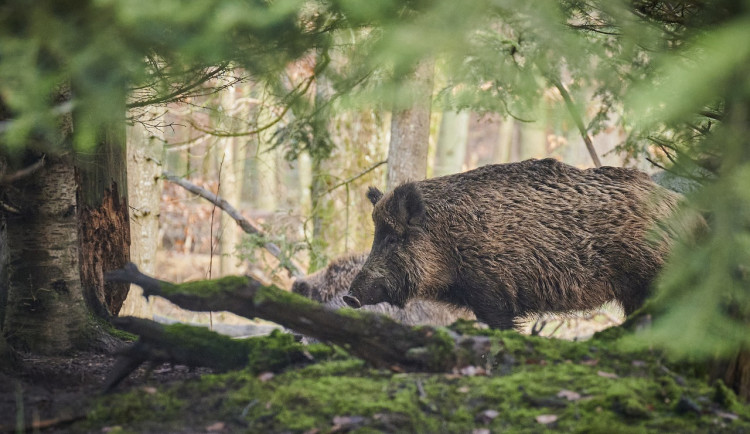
(145, 156)
(69, 226)
(410, 131)
(46, 312)
(451, 144)
(104, 224)
(230, 188)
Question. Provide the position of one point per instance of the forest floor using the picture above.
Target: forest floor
(528, 384)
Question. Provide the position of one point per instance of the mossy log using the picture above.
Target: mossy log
(197, 346)
(374, 338)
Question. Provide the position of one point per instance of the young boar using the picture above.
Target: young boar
(328, 285)
(511, 240)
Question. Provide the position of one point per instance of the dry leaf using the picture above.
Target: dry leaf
(546, 419)
(606, 374)
(265, 376)
(218, 426)
(487, 416)
(569, 395)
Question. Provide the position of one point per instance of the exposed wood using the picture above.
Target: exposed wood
(103, 218)
(374, 338)
(246, 224)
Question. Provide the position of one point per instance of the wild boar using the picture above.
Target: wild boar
(331, 283)
(512, 240)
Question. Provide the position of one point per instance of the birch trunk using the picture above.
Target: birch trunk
(410, 131)
(451, 144)
(145, 155)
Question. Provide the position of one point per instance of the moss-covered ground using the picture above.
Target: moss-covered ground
(528, 384)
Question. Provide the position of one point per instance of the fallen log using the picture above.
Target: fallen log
(195, 346)
(374, 338)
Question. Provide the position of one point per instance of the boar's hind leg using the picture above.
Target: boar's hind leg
(497, 319)
(634, 299)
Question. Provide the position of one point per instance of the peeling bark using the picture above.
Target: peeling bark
(105, 243)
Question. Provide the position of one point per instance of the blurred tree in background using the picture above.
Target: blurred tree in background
(672, 75)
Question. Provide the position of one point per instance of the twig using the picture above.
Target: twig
(577, 119)
(356, 177)
(246, 225)
(27, 171)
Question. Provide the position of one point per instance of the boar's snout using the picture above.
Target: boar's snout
(352, 301)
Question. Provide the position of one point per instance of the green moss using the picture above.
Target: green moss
(726, 397)
(207, 288)
(138, 404)
(588, 386)
(272, 293)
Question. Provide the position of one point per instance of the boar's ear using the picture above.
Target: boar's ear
(409, 205)
(374, 195)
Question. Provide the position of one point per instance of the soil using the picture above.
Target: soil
(55, 391)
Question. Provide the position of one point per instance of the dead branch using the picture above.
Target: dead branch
(578, 120)
(357, 176)
(26, 171)
(376, 339)
(246, 225)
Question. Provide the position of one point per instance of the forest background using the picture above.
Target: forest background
(286, 109)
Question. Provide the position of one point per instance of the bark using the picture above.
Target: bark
(505, 141)
(45, 310)
(736, 373)
(230, 189)
(68, 223)
(145, 154)
(374, 338)
(103, 221)
(451, 144)
(410, 131)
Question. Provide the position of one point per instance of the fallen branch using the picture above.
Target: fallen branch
(246, 225)
(374, 338)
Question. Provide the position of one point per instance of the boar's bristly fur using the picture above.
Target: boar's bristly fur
(510, 240)
(331, 283)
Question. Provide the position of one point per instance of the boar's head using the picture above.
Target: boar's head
(394, 270)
